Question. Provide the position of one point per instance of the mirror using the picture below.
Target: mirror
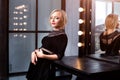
(101, 8)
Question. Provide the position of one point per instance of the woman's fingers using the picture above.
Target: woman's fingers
(33, 58)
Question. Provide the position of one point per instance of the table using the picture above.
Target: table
(88, 68)
(112, 59)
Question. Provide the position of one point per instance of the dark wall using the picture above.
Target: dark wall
(3, 39)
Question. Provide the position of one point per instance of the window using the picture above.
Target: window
(28, 23)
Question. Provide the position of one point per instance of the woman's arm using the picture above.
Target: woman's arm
(33, 57)
(40, 54)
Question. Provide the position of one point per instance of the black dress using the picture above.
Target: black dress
(110, 43)
(55, 42)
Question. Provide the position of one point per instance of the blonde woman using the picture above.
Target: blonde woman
(53, 48)
(110, 38)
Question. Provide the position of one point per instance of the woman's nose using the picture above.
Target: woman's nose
(52, 20)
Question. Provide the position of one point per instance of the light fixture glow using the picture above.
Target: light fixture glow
(15, 35)
(80, 21)
(80, 33)
(24, 16)
(24, 29)
(80, 44)
(80, 9)
(24, 36)
(24, 23)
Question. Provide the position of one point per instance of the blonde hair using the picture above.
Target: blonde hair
(111, 21)
(64, 16)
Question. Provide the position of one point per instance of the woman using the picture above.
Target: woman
(110, 38)
(53, 48)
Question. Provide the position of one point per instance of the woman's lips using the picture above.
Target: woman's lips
(53, 23)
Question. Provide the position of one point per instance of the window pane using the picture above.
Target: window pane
(117, 8)
(45, 7)
(106, 8)
(22, 15)
(20, 47)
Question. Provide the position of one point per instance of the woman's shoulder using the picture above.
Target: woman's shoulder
(62, 36)
(102, 34)
(117, 35)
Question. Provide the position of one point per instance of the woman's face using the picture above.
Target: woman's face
(56, 20)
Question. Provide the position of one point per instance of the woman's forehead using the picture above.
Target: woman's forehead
(56, 14)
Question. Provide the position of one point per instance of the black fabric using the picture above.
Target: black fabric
(56, 44)
(110, 43)
(42, 70)
(55, 33)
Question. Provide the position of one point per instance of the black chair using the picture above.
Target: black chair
(62, 75)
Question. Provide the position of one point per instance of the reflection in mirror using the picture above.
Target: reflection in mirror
(105, 9)
(102, 9)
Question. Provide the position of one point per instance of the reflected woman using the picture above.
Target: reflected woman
(110, 38)
(53, 48)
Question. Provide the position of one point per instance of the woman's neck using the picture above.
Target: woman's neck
(109, 31)
(56, 29)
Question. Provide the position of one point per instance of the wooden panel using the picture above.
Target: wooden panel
(85, 27)
(63, 4)
(3, 39)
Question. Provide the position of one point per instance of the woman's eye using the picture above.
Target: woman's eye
(54, 18)
(57, 17)
(50, 17)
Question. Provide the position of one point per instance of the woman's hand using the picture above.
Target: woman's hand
(39, 53)
(33, 57)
